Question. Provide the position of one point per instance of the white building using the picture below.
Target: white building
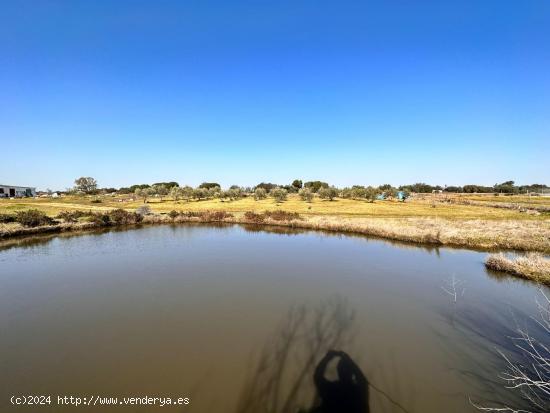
(10, 191)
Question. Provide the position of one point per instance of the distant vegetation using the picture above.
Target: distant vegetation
(307, 190)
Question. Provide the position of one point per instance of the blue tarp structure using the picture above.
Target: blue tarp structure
(400, 196)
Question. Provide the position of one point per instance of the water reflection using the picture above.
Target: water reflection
(281, 379)
(30, 241)
(210, 312)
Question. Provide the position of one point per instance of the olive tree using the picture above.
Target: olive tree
(160, 191)
(200, 193)
(85, 184)
(260, 193)
(358, 192)
(144, 193)
(328, 193)
(279, 194)
(306, 194)
(371, 193)
(186, 193)
(176, 193)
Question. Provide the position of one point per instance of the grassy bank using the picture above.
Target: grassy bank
(527, 235)
(532, 266)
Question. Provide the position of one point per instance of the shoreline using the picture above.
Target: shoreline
(426, 231)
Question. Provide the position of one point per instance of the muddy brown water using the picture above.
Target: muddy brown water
(236, 318)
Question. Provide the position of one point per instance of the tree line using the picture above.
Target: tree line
(306, 190)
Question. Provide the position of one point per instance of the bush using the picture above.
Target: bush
(217, 215)
(6, 218)
(279, 194)
(282, 215)
(143, 210)
(100, 219)
(96, 201)
(33, 218)
(122, 217)
(173, 214)
(254, 217)
(72, 216)
(306, 194)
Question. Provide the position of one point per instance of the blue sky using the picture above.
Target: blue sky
(242, 92)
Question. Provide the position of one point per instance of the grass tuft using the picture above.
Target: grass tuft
(532, 266)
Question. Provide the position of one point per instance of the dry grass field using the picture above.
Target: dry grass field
(425, 207)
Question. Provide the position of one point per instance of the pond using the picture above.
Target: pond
(236, 319)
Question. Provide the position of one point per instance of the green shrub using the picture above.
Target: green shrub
(6, 218)
(100, 219)
(173, 214)
(33, 218)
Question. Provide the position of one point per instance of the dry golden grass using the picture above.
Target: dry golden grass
(339, 207)
(532, 266)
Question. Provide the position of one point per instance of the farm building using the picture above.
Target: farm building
(11, 191)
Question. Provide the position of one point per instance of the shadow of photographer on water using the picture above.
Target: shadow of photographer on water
(348, 394)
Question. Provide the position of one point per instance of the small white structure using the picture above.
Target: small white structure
(11, 191)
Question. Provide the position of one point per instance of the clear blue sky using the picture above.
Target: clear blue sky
(447, 92)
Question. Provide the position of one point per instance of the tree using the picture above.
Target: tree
(213, 192)
(168, 185)
(358, 192)
(297, 184)
(160, 190)
(200, 193)
(208, 185)
(371, 193)
(267, 186)
(186, 192)
(260, 193)
(144, 193)
(279, 194)
(315, 185)
(234, 193)
(176, 193)
(85, 184)
(507, 187)
(306, 194)
(327, 193)
(385, 187)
